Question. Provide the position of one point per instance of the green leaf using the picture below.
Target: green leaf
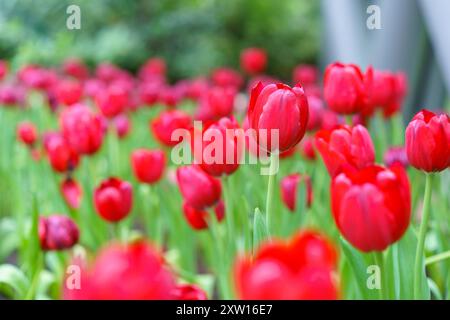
(9, 237)
(259, 229)
(13, 277)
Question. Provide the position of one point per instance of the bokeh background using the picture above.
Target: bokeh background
(195, 36)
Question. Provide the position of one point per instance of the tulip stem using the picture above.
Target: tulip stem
(271, 188)
(418, 266)
(379, 260)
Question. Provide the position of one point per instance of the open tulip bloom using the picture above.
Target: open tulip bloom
(230, 185)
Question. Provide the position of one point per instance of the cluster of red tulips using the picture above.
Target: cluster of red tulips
(136, 225)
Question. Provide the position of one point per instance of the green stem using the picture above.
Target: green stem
(271, 189)
(437, 258)
(229, 218)
(31, 294)
(379, 260)
(349, 119)
(418, 266)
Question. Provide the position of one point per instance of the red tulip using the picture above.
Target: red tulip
(218, 148)
(199, 189)
(148, 165)
(197, 87)
(307, 148)
(331, 120)
(125, 272)
(216, 103)
(345, 146)
(82, 129)
(399, 92)
(112, 101)
(149, 92)
(345, 88)
(168, 121)
(371, 206)
(169, 96)
(62, 157)
(72, 193)
(189, 292)
(305, 74)
(427, 141)
(153, 68)
(3, 69)
(76, 68)
(12, 95)
(396, 155)
(227, 78)
(253, 60)
(278, 107)
(68, 92)
(302, 268)
(113, 199)
(27, 133)
(107, 72)
(57, 232)
(289, 186)
(122, 125)
(316, 110)
(198, 218)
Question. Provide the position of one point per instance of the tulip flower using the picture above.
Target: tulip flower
(396, 155)
(278, 107)
(62, 157)
(198, 218)
(253, 60)
(122, 126)
(220, 149)
(345, 147)
(12, 95)
(307, 148)
(371, 206)
(72, 193)
(331, 120)
(198, 188)
(315, 113)
(113, 199)
(153, 68)
(345, 88)
(76, 68)
(82, 129)
(149, 92)
(148, 165)
(27, 133)
(57, 232)
(427, 141)
(227, 78)
(125, 272)
(112, 101)
(189, 292)
(68, 92)
(305, 74)
(166, 123)
(197, 87)
(300, 269)
(289, 186)
(216, 103)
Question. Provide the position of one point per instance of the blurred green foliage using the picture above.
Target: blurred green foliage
(193, 35)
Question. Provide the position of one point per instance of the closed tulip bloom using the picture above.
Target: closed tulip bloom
(227, 78)
(82, 128)
(305, 74)
(331, 120)
(278, 107)
(27, 133)
(315, 113)
(122, 126)
(189, 292)
(68, 92)
(344, 88)
(198, 219)
(112, 100)
(253, 60)
(166, 123)
(149, 92)
(301, 269)
(148, 165)
(153, 68)
(396, 155)
(289, 187)
(57, 232)
(12, 95)
(221, 147)
(169, 96)
(126, 272)
(197, 87)
(427, 141)
(113, 199)
(345, 147)
(71, 192)
(76, 68)
(371, 206)
(216, 103)
(199, 189)
(307, 148)
(62, 157)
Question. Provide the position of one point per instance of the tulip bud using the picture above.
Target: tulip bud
(112, 101)
(216, 103)
(371, 206)
(75, 68)
(72, 193)
(427, 141)
(61, 155)
(307, 149)
(198, 218)
(148, 166)
(27, 133)
(289, 186)
(253, 60)
(68, 92)
(305, 74)
(113, 199)
(227, 78)
(57, 232)
(166, 123)
(122, 125)
(189, 292)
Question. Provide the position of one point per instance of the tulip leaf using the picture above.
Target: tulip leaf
(9, 238)
(14, 278)
(259, 229)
